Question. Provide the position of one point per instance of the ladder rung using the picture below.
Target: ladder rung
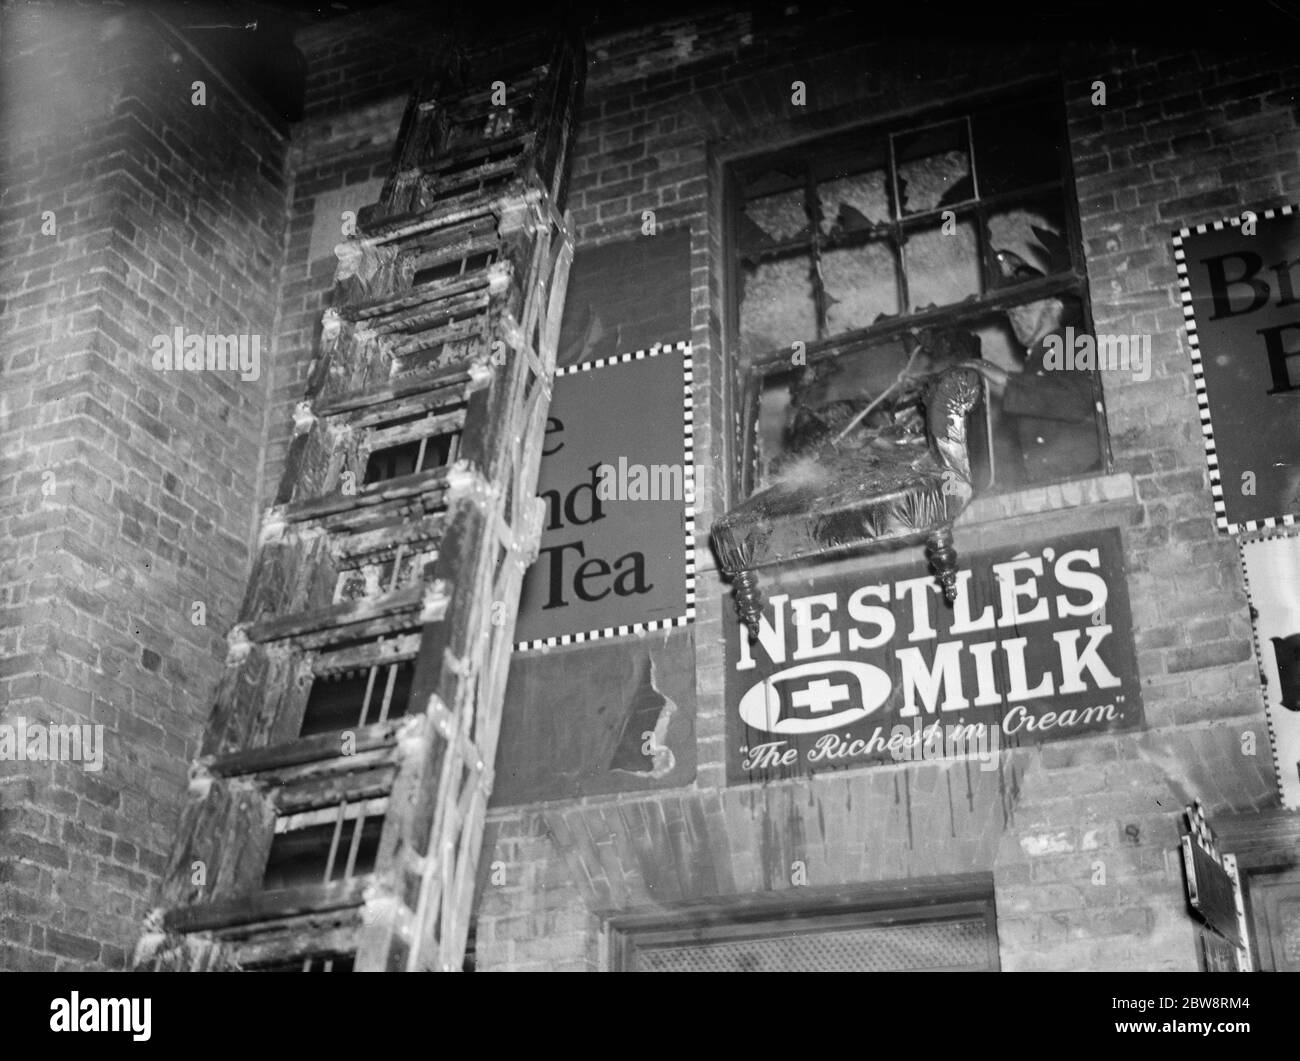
(297, 939)
(453, 333)
(382, 542)
(322, 746)
(339, 617)
(356, 522)
(380, 653)
(434, 183)
(455, 344)
(420, 415)
(384, 228)
(400, 487)
(250, 912)
(424, 294)
(394, 228)
(428, 315)
(520, 85)
(457, 157)
(329, 782)
(429, 384)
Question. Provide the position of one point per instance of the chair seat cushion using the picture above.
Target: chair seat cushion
(839, 500)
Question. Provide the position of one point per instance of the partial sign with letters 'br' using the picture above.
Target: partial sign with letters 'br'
(852, 667)
(1240, 282)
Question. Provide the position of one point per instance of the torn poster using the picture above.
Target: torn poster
(1272, 567)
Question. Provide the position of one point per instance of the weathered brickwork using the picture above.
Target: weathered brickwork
(127, 493)
(160, 480)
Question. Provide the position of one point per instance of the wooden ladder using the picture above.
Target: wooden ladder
(336, 808)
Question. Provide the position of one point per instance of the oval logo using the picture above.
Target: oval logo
(823, 703)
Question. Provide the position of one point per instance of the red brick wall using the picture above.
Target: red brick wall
(167, 214)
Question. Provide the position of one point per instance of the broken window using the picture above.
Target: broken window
(948, 237)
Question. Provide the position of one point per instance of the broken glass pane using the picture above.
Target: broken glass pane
(776, 307)
(852, 204)
(934, 168)
(942, 263)
(1016, 147)
(853, 190)
(773, 219)
(861, 285)
(1028, 241)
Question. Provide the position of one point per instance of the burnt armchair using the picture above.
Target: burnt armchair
(877, 489)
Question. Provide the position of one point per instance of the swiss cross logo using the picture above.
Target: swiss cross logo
(813, 697)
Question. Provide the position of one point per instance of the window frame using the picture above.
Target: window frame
(747, 375)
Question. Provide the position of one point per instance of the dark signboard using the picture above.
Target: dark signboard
(617, 480)
(858, 668)
(607, 716)
(1211, 891)
(627, 295)
(1240, 282)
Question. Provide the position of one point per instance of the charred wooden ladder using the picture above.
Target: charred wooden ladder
(337, 805)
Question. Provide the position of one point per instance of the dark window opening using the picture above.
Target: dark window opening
(330, 851)
(456, 267)
(328, 963)
(358, 698)
(418, 455)
(952, 234)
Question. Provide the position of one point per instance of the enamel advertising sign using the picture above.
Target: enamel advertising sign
(1240, 286)
(851, 669)
(617, 479)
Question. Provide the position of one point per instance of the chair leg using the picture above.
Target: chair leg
(749, 601)
(943, 561)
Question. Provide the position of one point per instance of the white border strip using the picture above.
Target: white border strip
(1259, 655)
(688, 491)
(1198, 373)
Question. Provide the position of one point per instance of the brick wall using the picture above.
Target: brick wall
(168, 214)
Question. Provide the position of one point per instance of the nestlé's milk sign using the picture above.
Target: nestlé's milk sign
(850, 669)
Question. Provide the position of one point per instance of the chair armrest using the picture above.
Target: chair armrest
(948, 402)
